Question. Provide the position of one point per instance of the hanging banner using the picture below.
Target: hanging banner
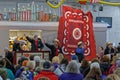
(75, 26)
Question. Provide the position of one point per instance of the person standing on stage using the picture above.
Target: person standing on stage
(8, 54)
(80, 51)
(36, 43)
(55, 48)
(16, 45)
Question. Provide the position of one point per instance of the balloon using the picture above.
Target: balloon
(83, 2)
(110, 3)
(103, 2)
(55, 6)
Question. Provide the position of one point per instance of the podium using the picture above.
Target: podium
(42, 54)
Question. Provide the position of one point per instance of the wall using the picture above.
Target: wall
(114, 12)
(108, 11)
(48, 36)
(4, 39)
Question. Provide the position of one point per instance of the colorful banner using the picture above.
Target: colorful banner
(75, 26)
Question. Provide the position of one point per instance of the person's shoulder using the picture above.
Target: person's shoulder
(39, 38)
(3, 69)
(8, 70)
(79, 76)
(64, 74)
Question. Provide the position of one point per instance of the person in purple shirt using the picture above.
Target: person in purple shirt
(80, 51)
(72, 72)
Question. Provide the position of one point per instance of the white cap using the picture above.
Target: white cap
(95, 64)
(36, 58)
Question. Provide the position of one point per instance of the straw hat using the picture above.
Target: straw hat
(56, 40)
(108, 43)
(79, 43)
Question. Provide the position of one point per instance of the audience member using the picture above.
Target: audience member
(75, 58)
(8, 55)
(105, 65)
(112, 77)
(63, 64)
(21, 67)
(61, 69)
(109, 48)
(101, 52)
(118, 47)
(3, 71)
(86, 71)
(19, 64)
(113, 65)
(55, 62)
(9, 74)
(37, 61)
(31, 57)
(84, 65)
(95, 73)
(61, 57)
(46, 73)
(117, 71)
(1, 78)
(72, 72)
(28, 74)
(9, 65)
(115, 50)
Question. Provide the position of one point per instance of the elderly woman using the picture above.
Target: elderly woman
(112, 77)
(95, 72)
(117, 71)
(72, 72)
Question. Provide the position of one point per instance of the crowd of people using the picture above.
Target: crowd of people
(106, 65)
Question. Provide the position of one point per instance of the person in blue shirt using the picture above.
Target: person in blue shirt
(80, 51)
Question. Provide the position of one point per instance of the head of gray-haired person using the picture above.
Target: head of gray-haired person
(72, 67)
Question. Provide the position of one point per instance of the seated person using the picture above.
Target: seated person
(46, 73)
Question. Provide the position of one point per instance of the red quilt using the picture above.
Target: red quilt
(75, 26)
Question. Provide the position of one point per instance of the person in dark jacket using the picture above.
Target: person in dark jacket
(105, 65)
(55, 48)
(72, 72)
(118, 47)
(36, 43)
(109, 48)
(84, 65)
(16, 45)
(80, 51)
(8, 55)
